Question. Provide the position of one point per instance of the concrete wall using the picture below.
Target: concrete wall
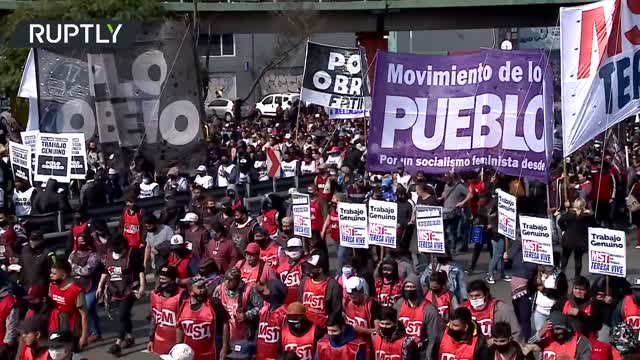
(254, 51)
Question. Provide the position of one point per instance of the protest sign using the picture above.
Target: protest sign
(599, 55)
(537, 246)
(30, 138)
(506, 214)
(430, 229)
(347, 113)
(301, 215)
(383, 223)
(53, 158)
(352, 219)
(607, 252)
(336, 77)
(462, 112)
(78, 156)
(20, 156)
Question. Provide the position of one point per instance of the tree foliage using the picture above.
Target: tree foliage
(12, 60)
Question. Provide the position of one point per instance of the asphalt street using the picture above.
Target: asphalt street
(500, 290)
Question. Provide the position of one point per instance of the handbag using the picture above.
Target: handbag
(448, 214)
(632, 203)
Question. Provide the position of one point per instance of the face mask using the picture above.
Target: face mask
(228, 211)
(146, 181)
(456, 335)
(503, 348)
(387, 275)
(35, 306)
(295, 324)
(335, 338)
(57, 354)
(201, 297)
(436, 291)
(411, 294)
(315, 275)
(167, 287)
(477, 303)
(387, 331)
(561, 337)
(3, 222)
(295, 255)
(347, 271)
(82, 247)
(35, 244)
(116, 255)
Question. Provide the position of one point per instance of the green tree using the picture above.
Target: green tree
(12, 60)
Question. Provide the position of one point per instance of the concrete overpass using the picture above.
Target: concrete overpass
(254, 16)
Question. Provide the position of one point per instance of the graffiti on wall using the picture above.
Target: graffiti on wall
(221, 85)
(273, 82)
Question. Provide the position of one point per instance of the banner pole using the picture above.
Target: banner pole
(606, 286)
(433, 263)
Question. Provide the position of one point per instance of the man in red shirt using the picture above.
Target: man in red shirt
(462, 338)
(254, 269)
(131, 223)
(166, 302)
(341, 342)
(391, 341)
(290, 268)
(196, 324)
(34, 336)
(321, 294)
(70, 303)
(271, 317)
(269, 249)
(221, 249)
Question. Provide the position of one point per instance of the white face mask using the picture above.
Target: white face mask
(116, 256)
(58, 354)
(294, 254)
(347, 271)
(477, 303)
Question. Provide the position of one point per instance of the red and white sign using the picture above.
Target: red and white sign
(273, 162)
(599, 44)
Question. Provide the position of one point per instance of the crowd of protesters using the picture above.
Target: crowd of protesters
(228, 283)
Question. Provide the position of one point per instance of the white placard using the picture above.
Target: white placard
(352, 219)
(301, 215)
(383, 223)
(430, 229)
(30, 138)
(78, 156)
(537, 244)
(506, 214)
(20, 157)
(53, 158)
(607, 252)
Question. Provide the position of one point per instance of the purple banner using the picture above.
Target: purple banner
(491, 109)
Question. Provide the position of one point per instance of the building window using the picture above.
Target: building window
(221, 45)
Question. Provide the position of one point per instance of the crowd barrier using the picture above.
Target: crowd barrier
(56, 225)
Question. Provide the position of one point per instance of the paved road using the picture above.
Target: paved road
(501, 290)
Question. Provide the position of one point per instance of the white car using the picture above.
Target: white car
(220, 108)
(268, 105)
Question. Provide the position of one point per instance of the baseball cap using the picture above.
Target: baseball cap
(173, 171)
(179, 352)
(287, 136)
(190, 217)
(177, 240)
(36, 292)
(252, 248)
(334, 150)
(260, 230)
(201, 168)
(112, 171)
(168, 271)
(314, 260)
(198, 282)
(354, 283)
(636, 283)
(558, 320)
(294, 242)
(295, 308)
(60, 338)
(242, 350)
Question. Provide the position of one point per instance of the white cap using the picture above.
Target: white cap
(179, 352)
(354, 283)
(177, 240)
(201, 168)
(314, 260)
(190, 217)
(294, 242)
(112, 171)
(292, 191)
(288, 136)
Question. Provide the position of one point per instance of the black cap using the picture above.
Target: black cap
(242, 350)
(559, 320)
(168, 271)
(60, 338)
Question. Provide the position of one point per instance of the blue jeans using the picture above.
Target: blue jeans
(496, 260)
(92, 309)
(451, 232)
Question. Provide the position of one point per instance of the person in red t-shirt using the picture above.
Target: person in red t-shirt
(70, 303)
(462, 338)
(271, 318)
(34, 336)
(131, 223)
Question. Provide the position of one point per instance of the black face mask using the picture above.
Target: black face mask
(635, 293)
(118, 250)
(315, 275)
(35, 306)
(3, 223)
(335, 338)
(295, 324)
(387, 332)
(456, 335)
(167, 287)
(387, 276)
(560, 338)
(411, 294)
(503, 348)
(201, 298)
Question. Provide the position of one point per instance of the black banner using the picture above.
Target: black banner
(142, 101)
(336, 77)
